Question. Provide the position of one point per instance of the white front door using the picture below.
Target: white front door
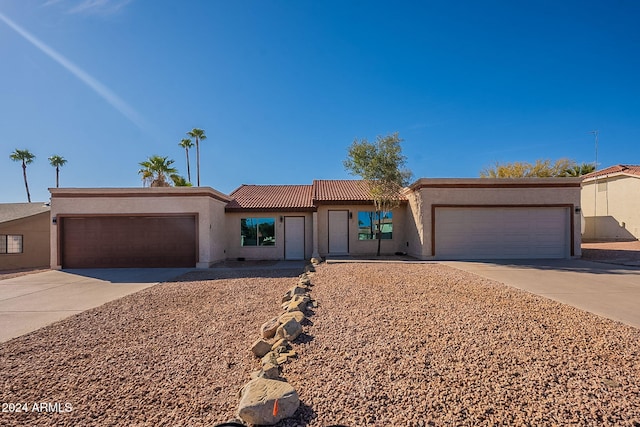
(338, 232)
(294, 237)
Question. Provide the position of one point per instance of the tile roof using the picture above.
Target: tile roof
(13, 211)
(340, 190)
(617, 169)
(272, 197)
(298, 197)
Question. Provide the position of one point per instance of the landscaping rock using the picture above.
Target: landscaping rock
(270, 357)
(297, 303)
(268, 328)
(260, 347)
(298, 315)
(280, 343)
(266, 401)
(289, 330)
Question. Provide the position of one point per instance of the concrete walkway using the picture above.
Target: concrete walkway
(611, 291)
(29, 302)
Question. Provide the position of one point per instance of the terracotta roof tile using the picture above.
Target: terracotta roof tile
(617, 169)
(271, 197)
(331, 190)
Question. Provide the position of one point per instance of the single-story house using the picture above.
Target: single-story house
(611, 203)
(24, 235)
(199, 226)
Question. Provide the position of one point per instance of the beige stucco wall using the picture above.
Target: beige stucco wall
(207, 204)
(611, 208)
(362, 247)
(275, 252)
(486, 192)
(35, 242)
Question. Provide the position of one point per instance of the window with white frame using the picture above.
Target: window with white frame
(10, 244)
(368, 225)
(257, 232)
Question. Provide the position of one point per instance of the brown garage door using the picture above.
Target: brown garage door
(128, 241)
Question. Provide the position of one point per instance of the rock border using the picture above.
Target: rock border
(268, 398)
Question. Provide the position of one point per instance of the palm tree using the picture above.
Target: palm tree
(579, 170)
(198, 135)
(156, 169)
(26, 157)
(186, 144)
(57, 161)
(179, 181)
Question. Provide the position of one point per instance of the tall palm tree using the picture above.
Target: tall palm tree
(26, 157)
(198, 135)
(57, 161)
(186, 144)
(156, 169)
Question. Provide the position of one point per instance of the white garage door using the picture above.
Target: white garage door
(501, 233)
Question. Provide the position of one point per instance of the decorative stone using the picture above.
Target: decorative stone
(258, 401)
(281, 360)
(289, 330)
(280, 343)
(297, 303)
(309, 268)
(299, 290)
(286, 297)
(260, 347)
(304, 281)
(315, 261)
(270, 357)
(298, 315)
(268, 328)
(270, 371)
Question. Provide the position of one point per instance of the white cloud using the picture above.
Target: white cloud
(100, 7)
(94, 84)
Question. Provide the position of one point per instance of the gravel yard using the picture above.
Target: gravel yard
(389, 345)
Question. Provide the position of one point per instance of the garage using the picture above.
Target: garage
(128, 241)
(502, 232)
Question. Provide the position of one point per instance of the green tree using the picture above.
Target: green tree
(579, 170)
(383, 166)
(57, 161)
(26, 157)
(186, 143)
(179, 181)
(540, 169)
(156, 169)
(198, 135)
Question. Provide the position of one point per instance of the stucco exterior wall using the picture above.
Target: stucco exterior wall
(35, 242)
(398, 242)
(201, 202)
(611, 208)
(496, 192)
(275, 252)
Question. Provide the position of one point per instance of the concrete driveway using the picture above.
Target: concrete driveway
(29, 302)
(608, 290)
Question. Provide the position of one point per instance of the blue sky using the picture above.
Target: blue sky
(282, 88)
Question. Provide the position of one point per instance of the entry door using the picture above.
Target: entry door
(339, 232)
(294, 237)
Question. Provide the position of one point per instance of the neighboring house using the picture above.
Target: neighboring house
(611, 203)
(24, 235)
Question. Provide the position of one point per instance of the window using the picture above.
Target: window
(257, 232)
(368, 225)
(10, 244)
